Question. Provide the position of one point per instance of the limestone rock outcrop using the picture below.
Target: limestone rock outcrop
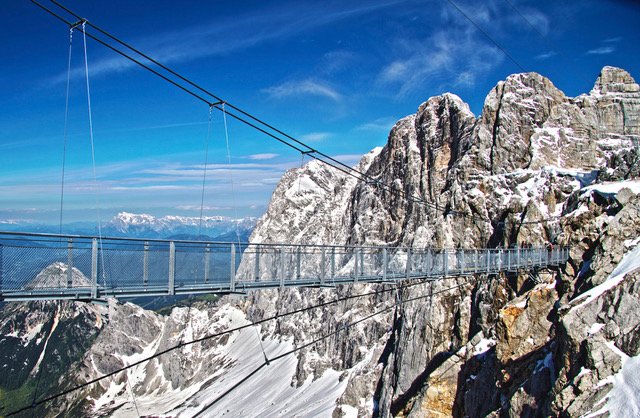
(518, 174)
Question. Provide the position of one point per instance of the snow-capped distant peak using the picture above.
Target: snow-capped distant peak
(133, 218)
(143, 224)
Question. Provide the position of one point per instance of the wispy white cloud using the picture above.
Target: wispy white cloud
(603, 50)
(380, 124)
(348, 159)
(465, 78)
(204, 207)
(538, 20)
(456, 53)
(613, 40)
(220, 37)
(315, 136)
(453, 56)
(307, 87)
(546, 55)
(152, 187)
(336, 61)
(266, 156)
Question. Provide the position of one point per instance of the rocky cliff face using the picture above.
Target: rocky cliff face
(534, 167)
(38, 343)
(518, 174)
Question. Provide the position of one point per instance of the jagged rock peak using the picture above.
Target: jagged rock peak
(447, 99)
(56, 275)
(615, 80)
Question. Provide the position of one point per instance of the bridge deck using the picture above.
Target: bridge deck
(58, 267)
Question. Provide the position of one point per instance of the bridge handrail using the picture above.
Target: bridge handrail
(108, 239)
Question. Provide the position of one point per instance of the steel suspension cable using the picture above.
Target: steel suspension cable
(297, 145)
(233, 191)
(117, 51)
(477, 26)
(214, 335)
(133, 396)
(93, 153)
(309, 150)
(65, 131)
(204, 171)
(268, 361)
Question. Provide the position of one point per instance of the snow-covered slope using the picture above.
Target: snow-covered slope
(204, 372)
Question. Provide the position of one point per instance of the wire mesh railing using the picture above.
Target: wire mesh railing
(48, 266)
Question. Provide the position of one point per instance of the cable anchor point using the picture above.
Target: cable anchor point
(80, 22)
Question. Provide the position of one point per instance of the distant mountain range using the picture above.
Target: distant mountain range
(142, 225)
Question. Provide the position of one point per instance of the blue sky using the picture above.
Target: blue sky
(336, 74)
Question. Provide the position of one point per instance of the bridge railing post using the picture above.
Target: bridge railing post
(298, 255)
(232, 269)
(408, 266)
(355, 264)
(322, 265)
(488, 257)
(282, 267)
(207, 256)
(463, 266)
(531, 258)
(256, 274)
(541, 250)
(476, 265)
(428, 270)
(94, 268)
(385, 263)
(517, 256)
(333, 262)
(145, 264)
(172, 268)
(445, 261)
(69, 262)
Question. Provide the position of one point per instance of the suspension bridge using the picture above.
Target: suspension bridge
(40, 267)
(73, 267)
